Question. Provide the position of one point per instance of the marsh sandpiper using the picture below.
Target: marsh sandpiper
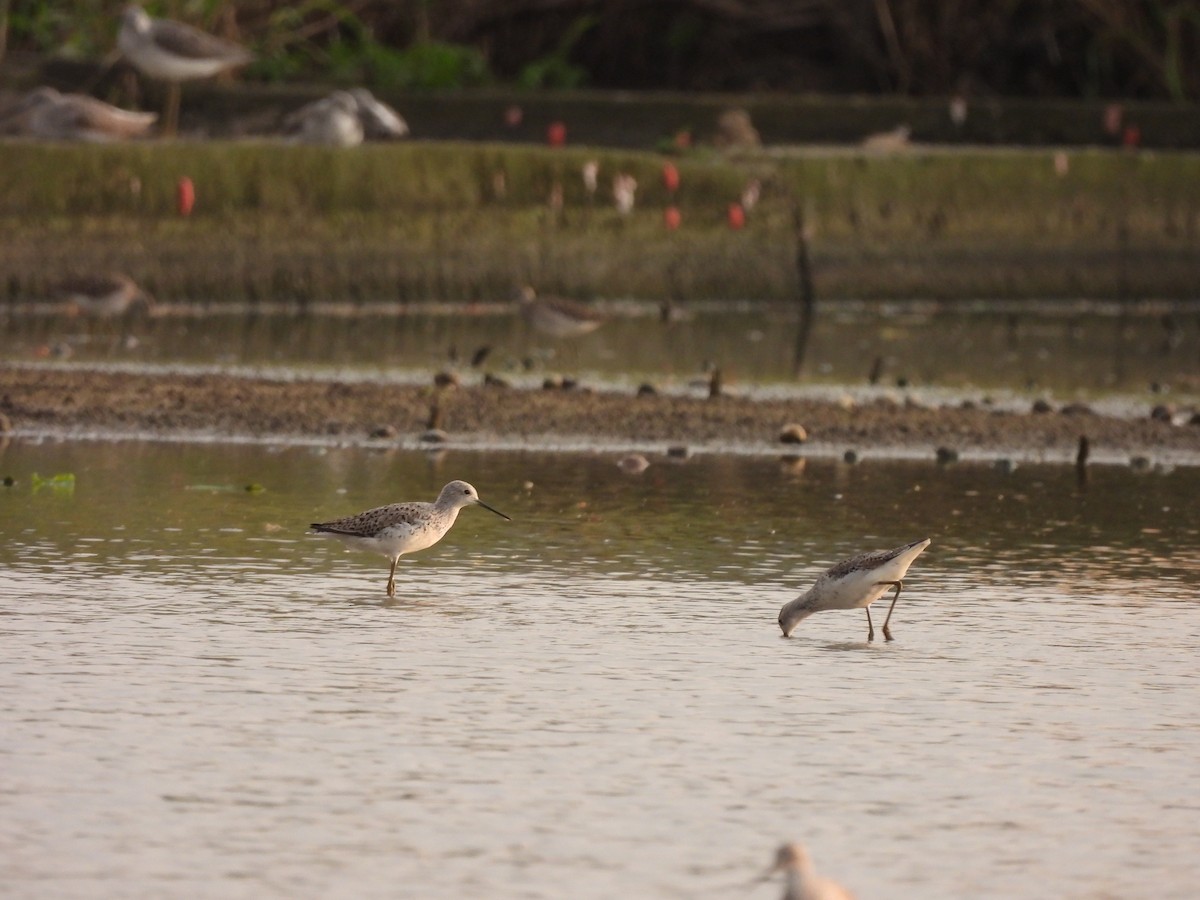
(556, 316)
(402, 528)
(802, 881)
(45, 113)
(174, 52)
(854, 583)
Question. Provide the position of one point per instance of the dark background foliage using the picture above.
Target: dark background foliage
(1023, 48)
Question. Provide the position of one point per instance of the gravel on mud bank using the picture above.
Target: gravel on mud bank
(79, 401)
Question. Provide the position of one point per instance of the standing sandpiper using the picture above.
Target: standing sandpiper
(854, 583)
(402, 528)
(174, 52)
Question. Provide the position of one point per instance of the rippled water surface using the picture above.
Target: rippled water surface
(1075, 351)
(199, 700)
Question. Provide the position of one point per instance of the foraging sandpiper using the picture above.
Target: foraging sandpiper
(854, 583)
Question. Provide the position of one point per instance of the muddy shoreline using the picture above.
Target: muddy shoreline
(79, 402)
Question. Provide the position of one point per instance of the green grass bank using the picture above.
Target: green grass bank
(434, 220)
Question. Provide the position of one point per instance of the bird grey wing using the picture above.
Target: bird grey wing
(192, 43)
(863, 561)
(373, 520)
(294, 121)
(379, 120)
(571, 308)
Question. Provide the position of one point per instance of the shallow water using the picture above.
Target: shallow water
(199, 700)
(1075, 350)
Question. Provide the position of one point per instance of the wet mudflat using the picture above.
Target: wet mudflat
(962, 380)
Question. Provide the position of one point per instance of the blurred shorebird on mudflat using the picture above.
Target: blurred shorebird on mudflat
(889, 141)
(173, 52)
(557, 316)
(344, 119)
(104, 295)
(402, 528)
(45, 113)
(854, 583)
(330, 122)
(802, 881)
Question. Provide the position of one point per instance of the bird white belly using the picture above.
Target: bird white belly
(857, 590)
(169, 67)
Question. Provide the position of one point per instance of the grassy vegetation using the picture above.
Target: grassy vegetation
(431, 220)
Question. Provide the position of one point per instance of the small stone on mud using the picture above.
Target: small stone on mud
(793, 434)
(1077, 409)
(633, 464)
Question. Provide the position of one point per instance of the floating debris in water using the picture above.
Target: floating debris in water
(946, 455)
(633, 464)
(64, 482)
(793, 465)
(252, 488)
